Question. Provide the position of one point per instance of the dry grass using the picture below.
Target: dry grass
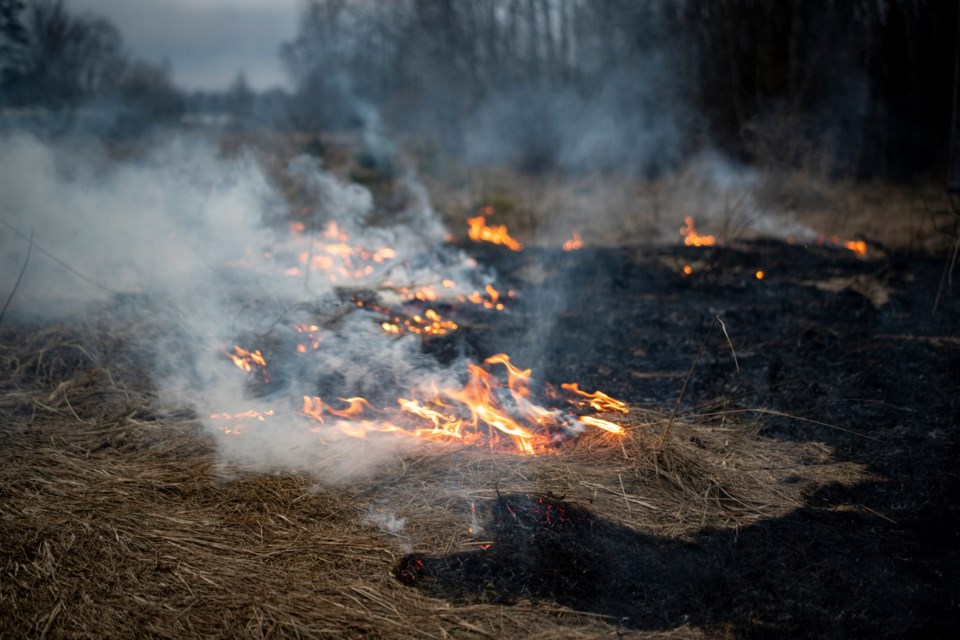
(613, 211)
(116, 518)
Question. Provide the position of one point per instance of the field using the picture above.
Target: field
(788, 466)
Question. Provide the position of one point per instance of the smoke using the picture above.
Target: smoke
(632, 122)
(203, 249)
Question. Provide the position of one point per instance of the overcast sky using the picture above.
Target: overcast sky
(206, 41)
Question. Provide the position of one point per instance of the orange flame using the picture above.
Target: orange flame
(576, 242)
(598, 400)
(859, 247)
(477, 414)
(247, 360)
(693, 239)
(479, 231)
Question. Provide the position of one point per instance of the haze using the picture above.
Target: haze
(207, 42)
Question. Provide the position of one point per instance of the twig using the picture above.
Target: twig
(729, 342)
(60, 262)
(676, 406)
(625, 498)
(790, 416)
(309, 266)
(946, 278)
(16, 285)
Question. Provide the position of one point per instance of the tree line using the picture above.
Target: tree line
(859, 87)
(848, 87)
(53, 59)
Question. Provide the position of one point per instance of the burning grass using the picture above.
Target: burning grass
(119, 520)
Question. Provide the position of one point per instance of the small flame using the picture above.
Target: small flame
(576, 242)
(479, 231)
(859, 247)
(693, 239)
(606, 425)
(247, 360)
(238, 420)
(598, 400)
(760, 275)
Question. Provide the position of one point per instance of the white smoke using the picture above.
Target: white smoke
(204, 243)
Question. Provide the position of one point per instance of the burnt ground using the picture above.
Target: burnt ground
(848, 347)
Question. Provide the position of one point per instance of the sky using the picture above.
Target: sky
(207, 42)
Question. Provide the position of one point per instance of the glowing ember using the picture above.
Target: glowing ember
(576, 242)
(693, 239)
(430, 323)
(489, 298)
(479, 231)
(686, 270)
(760, 275)
(243, 415)
(330, 251)
(312, 334)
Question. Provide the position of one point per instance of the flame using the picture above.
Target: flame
(859, 247)
(239, 419)
(760, 275)
(576, 242)
(479, 231)
(479, 413)
(247, 360)
(606, 425)
(598, 400)
(693, 239)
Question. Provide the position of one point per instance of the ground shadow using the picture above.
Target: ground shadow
(816, 572)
